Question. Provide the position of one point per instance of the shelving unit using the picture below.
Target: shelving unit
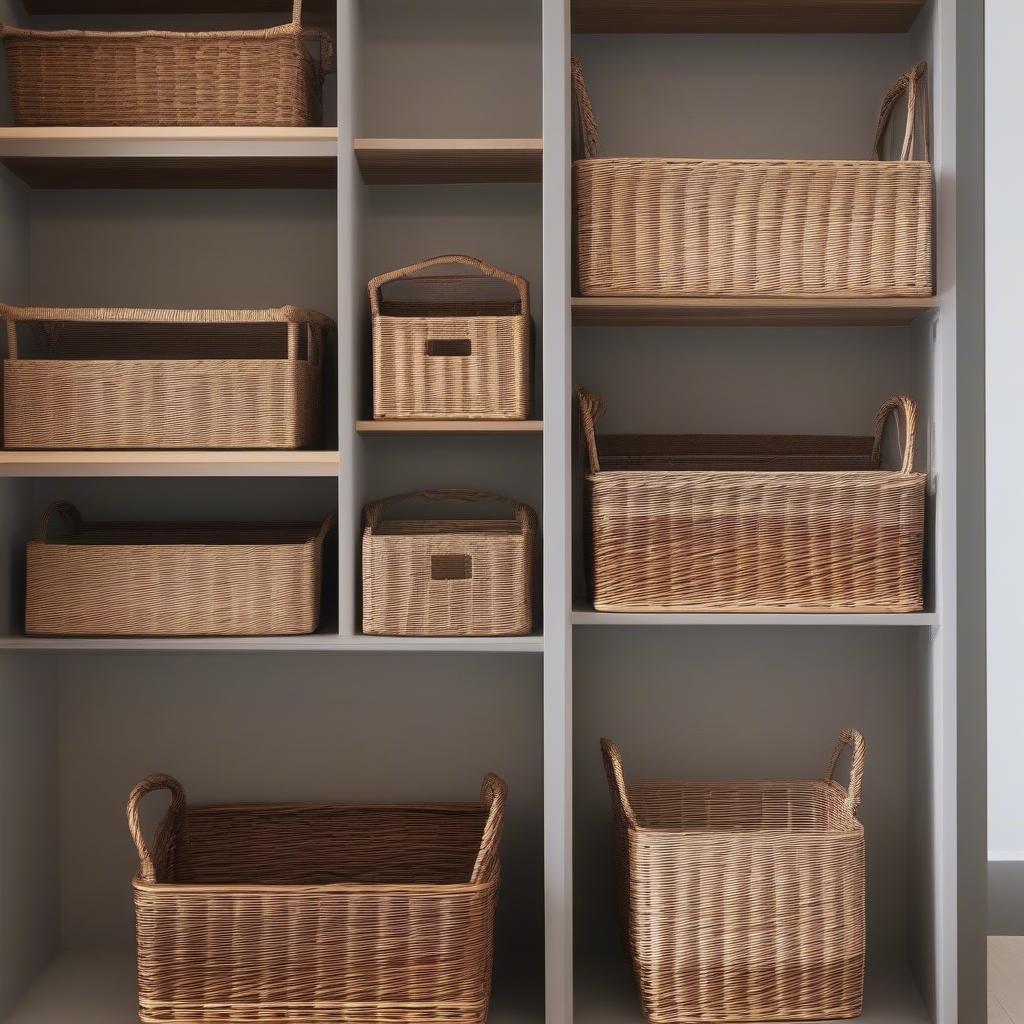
(454, 136)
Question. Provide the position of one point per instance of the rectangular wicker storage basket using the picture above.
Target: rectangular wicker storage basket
(173, 579)
(445, 355)
(448, 577)
(163, 378)
(826, 228)
(682, 523)
(258, 77)
(317, 914)
(743, 901)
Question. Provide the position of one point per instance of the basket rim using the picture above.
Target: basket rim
(173, 889)
(764, 161)
(145, 315)
(284, 30)
(803, 474)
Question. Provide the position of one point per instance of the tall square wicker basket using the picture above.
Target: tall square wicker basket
(163, 378)
(448, 355)
(318, 913)
(730, 228)
(173, 579)
(448, 577)
(257, 77)
(738, 523)
(743, 901)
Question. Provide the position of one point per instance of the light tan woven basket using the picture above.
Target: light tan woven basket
(682, 523)
(827, 228)
(743, 901)
(269, 77)
(317, 914)
(180, 579)
(448, 577)
(443, 355)
(163, 378)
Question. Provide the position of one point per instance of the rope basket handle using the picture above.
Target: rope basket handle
(58, 510)
(326, 526)
(585, 135)
(616, 780)
(165, 832)
(906, 405)
(520, 284)
(911, 83)
(493, 797)
(591, 410)
(850, 738)
(524, 515)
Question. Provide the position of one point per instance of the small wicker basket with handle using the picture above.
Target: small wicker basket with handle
(446, 354)
(743, 901)
(255, 77)
(317, 913)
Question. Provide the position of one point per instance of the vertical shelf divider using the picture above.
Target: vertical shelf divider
(557, 534)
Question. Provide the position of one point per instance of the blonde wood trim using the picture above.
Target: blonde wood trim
(168, 463)
(450, 426)
(702, 312)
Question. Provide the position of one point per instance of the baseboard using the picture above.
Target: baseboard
(1006, 897)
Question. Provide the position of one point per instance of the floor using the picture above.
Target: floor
(1006, 979)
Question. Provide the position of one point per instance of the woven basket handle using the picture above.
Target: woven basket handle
(616, 780)
(850, 738)
(493, 796)
(591, 410)
(60, 510)
(911, 83)
(524, 515)
(585, 137)
(906, 405)
(166, 831)
(326, 526)
(12, 339)
(520, 284)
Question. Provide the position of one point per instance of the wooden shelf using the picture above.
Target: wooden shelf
(168, 463)
(172, 157)
(313, 643)
(584, 615)
(448, 161)
(744, 15)
(697, 312)
(450, 426)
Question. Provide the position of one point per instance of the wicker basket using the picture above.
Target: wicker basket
(158, 378)
(268, 77)
(438, 354)
(181, 579)
(825, 228)
(744, 901)
(683, 523)
(449, 577)
(312, 914)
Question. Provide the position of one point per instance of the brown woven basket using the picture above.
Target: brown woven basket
(180, 579)
(683, 523)
(448, 577)
(163, 378)
(267, 77)
(440, 355)
(317, 914)
(743, 901)
(827, 228)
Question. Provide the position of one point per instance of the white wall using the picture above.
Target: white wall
(1004, 148)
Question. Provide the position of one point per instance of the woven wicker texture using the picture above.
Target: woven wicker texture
(743, 901)
(825, 228)
(746, 523)
(448, 577)
(151, 378)
(155, 579)
(485, 376)
(311, 914)
(268, 77)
